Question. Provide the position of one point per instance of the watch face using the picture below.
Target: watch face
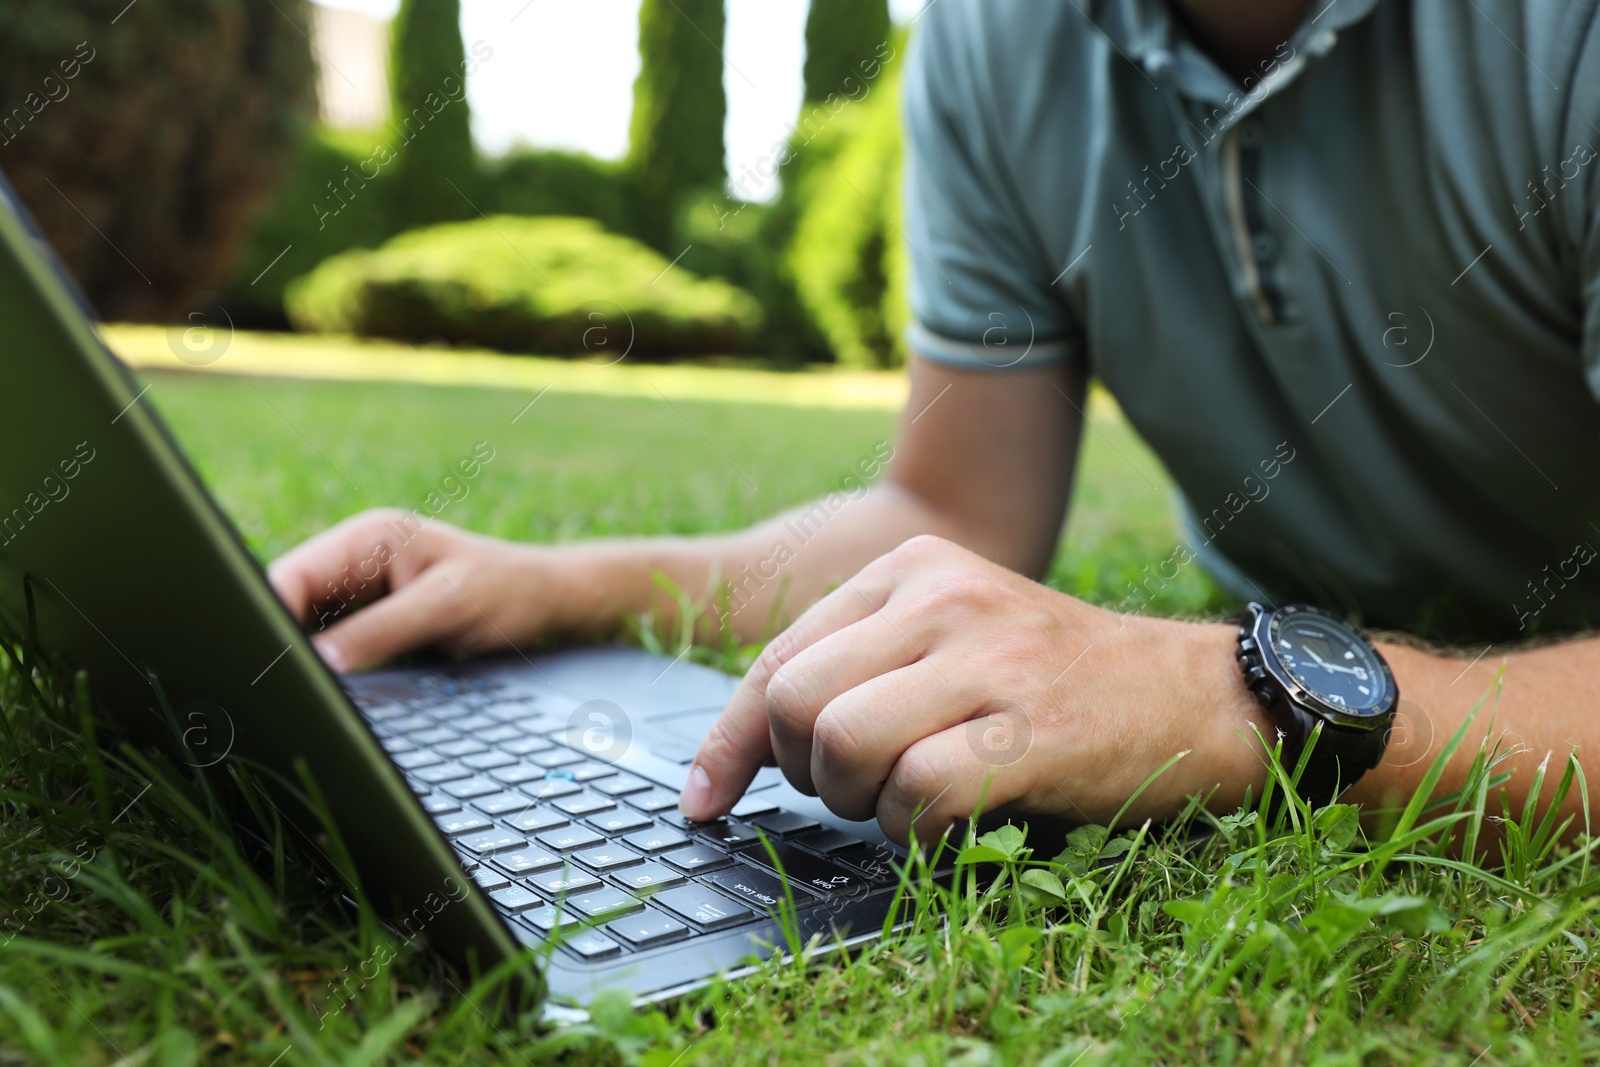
(1331, 661)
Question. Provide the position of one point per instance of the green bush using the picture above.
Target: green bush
(550, 285)
(559, 183)
(676, 145)
(438, 167)
(147, 149)
(847, 258)
(337, 195)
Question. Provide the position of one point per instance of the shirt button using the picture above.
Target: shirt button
(1251, 134)
(1264, 246)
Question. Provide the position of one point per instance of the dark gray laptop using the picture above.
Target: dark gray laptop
(489, 807)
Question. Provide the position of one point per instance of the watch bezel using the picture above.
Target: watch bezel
(1272, 663)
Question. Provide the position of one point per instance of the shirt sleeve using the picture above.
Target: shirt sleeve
(980, 288)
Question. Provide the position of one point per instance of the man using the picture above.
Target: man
(1338, 262)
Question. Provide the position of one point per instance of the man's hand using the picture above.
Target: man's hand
(432, 585)
(935, 682)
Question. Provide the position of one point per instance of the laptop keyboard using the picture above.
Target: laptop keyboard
(567, 844)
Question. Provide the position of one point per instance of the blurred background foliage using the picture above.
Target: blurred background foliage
(212, 174)
(172, 144)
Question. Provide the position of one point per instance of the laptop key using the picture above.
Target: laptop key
(503, 803)
(604, 903)
(548, 919)
(817, 875)
(406, 724)
(526, 861)
(570, 838)
(606, 857)
(696, 858)
(657, 799)
(470, 723)
(468, 788)
(517, 774)
(439, 735)
(584, 804)
(656, 840)
(489, 879)
(535, 819)
(752, 805)
(492, 841)
(827, 841)
(621, 785)
(524, 746)
(591, 945)
(415, 760)
(646, 929)
(564, 881)
(396, 745)
(444, 772)
(464, 822)
(651, 875)
(590, 770)
(757, 888)
(784, 823)
(550, 788)
(488, 761)
(499, 735)
(515, 898)
(700, 905)
(437, 805)
(726, 834)
(464, 746)
(556, 757)
(619, 821)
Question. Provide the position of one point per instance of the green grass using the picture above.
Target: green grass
(135, 930)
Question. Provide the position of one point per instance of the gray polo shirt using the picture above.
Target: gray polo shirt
(1354, 305)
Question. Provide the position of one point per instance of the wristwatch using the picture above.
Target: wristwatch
(1309, 667)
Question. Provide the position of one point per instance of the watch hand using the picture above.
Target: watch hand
(1325, 665)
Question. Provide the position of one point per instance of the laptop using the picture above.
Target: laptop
(490, 807)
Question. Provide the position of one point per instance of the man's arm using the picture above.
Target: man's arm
(982, 459)
(1545, 705)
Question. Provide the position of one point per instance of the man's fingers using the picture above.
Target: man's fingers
(741, 741)
(345, 565)
(941, 779)
(421, 613)
(817, 677)
(861, 734)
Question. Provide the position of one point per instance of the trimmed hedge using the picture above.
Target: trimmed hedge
(147, 149)
(560, 183)
(548, 285)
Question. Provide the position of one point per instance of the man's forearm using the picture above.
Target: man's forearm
(1546, 704)
(755, 580)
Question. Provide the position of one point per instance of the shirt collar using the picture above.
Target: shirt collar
(1148, 35)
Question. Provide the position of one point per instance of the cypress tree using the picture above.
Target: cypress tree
(679, 108)
(431, 127)
(843, 38)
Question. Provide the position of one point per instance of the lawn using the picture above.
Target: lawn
(135, 931)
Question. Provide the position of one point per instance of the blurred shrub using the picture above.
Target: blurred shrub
(436, 173)
(147, 148)
(560, 183)
(846, 258)
(549, 285)
(675, 137)
(337, 195)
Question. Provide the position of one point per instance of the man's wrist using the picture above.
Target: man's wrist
(1226, 762)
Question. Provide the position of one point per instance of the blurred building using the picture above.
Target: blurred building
(352, 52)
